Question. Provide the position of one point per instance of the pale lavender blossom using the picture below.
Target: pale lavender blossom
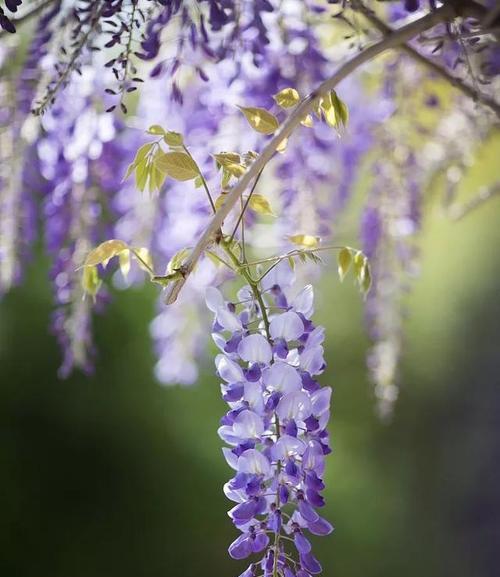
(276, 426)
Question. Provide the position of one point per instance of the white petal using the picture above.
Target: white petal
(214, 299)
(304, 301)
(295, 406)
(228, 320)
(254, 462)
(320, 400)
(282, 377)
(231, 458)
(288, 326)
(248, 425)
(255, 349)
(228, 370)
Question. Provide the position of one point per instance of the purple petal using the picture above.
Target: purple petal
(260, 542)
(302, 544)
(320, 527)
(241, 547)
(307, 511)
(244, 511)
(310, 563)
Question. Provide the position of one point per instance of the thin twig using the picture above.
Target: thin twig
(394, 40)
(245, 206)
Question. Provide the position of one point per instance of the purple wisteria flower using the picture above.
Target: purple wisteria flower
(275, 428)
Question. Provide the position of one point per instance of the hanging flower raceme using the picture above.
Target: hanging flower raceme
(276, 423)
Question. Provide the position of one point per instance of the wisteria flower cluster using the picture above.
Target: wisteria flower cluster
(276, 426)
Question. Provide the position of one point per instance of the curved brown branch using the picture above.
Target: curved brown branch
(393, 40)
(436, 68)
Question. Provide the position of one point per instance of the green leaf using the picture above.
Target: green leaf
(260, 119)
(341, 109)
(144, 259)
(178, 165)
(231, 162)
(359, 264)
(291, 262)
(104, 252)
(176, 261)
(367, 278)
(282, 145)
(344, 262)
(157, 130)
(305, 240)
(260, 205)
(334, 110)
(141, 175)
(220, 200)
(329, 111)
(90, 281)
(307, 121)
(124, 260)
(173, 138)
(198, 182)
(287, 98)
(140, 158)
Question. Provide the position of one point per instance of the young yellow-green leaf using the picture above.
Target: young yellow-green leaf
(143, 258)
(282, 146)
(226, 178)
(141, 175)
(156, 129)
(90, 280)
(367, 278)
(260, 205)
(178, 165)
(359, 264)
(307, 121)
(198, 182)
(287, 98)
(341, 109)
(305, 240)
(260, 119)
(249, 157)
(176, 261)
(124, 260)
(173, 138)
(231, 162)
(140, 158)
(105, 251)
(344, 262)
(291, 262)
(329, 111)
(317, 108)
(220, 200)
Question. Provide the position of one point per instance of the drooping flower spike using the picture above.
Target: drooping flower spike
(276, 426)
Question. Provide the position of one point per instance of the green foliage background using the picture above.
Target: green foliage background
(116, 476)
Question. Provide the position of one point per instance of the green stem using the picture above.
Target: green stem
(203, 181)
(247, 202)
(254, 285)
